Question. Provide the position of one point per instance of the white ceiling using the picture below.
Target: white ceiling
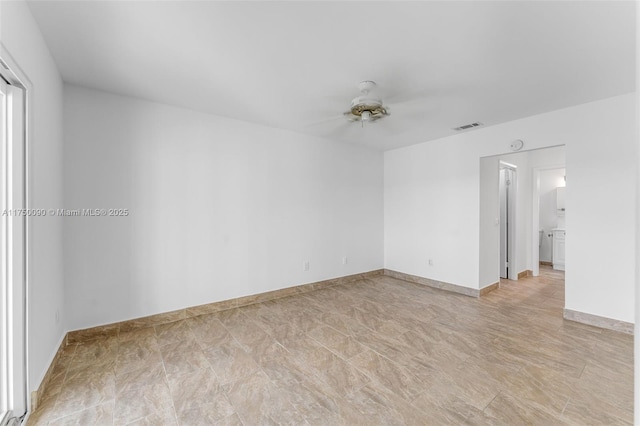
(295, 65)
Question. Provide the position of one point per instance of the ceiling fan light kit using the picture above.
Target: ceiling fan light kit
(366, 107)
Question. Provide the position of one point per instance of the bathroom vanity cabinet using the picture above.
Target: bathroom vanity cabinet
(559, 237)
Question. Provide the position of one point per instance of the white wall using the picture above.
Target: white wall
(550, 180)
(489, 221)
(219, 208)
(600, 250)
(431, 197)
(432, 206)
(22, 39)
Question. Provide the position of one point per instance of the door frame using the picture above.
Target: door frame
(512, 219)
(14, 74)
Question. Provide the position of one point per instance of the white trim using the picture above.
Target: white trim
(505, 165)
(636, 340)
(18, 77)
(512, 220)
(5, 317)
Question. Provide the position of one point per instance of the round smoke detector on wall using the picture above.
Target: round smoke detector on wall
(516, 145)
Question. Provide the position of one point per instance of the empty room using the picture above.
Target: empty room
(318, 213)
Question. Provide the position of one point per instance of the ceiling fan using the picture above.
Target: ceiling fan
(410, 109)
(366, 107)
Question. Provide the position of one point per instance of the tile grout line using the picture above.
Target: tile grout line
(494, 398)
(235, 411)
(166, 380)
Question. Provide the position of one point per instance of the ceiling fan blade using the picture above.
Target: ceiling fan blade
(339, 130)
(349, 117)
(416, 108)
(431, 93)
(334, 118)
(391, 126)
(396, 97)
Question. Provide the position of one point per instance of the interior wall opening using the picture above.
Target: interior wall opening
(522, 201)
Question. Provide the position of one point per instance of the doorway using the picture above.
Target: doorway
(520, 244)
(13, 228)
(549, 216)
(508, 193)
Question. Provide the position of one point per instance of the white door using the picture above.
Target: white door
(13, 386)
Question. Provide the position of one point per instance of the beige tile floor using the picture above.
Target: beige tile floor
(378, 351)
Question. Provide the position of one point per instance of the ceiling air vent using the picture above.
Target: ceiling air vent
(468, 126)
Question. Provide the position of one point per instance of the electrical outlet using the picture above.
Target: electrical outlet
(430, 262)
(305, 265)
(345, 260)
(57, 316)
